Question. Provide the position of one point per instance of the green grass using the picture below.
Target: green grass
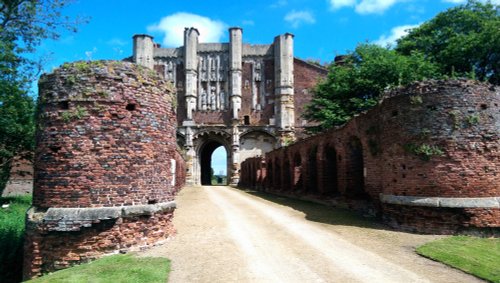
(116, 268)
(11, 237)
(477, 256)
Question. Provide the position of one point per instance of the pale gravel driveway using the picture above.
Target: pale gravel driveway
(227, 235)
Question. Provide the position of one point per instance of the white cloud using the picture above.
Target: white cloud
(337, 4)
(173, 28)
(90, 53)
(396, 33)
(374, 6)
(296, 18)
(116, 42)
(364, 6)
(279, 3)
(248, 23)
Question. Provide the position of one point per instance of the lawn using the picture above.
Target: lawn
(11, 237)
(477, 256)
(115, 268)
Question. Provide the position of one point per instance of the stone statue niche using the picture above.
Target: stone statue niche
(170, 71)
(222, 99)
(212, 99)
(203, 98)
(257, 87)
(212, 95)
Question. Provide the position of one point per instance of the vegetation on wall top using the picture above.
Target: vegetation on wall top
(462, 41)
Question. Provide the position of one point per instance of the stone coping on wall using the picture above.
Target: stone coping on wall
(484, 202)
(64, 218)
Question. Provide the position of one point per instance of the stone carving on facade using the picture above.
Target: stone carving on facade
(222, 69)
(170, 71)
(203, 69)
(213, 73)
(213, 105)
(191, 106)
(203, 99)
(222, 99)
(257, 72)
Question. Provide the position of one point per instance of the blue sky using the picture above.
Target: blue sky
(322, 28)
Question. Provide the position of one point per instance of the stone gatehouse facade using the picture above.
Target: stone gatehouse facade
(117, 140)
(115, 144)
(246, 98)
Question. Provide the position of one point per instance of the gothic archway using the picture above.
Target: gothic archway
(330, 171)
(206, 143)
(206, 161)
(355, 170)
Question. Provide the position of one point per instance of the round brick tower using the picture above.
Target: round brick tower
(107, 166)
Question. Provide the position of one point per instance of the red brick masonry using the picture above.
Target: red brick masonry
(107, 166)
(426, 159)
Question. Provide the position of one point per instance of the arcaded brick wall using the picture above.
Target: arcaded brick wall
(107, 166)
(431, 140)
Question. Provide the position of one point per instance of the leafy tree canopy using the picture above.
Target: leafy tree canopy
(462, 40)
(356, 84)
(24, 24)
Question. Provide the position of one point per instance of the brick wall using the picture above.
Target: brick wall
(21, 176)
(106, 163)
(306, 76)
(432, 142)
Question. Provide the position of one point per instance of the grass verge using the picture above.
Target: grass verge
(477, 256)
(11, 237)
(115, 268)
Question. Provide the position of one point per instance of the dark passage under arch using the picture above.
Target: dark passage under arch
(206, 161)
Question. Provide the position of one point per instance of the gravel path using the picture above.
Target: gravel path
(228, 235)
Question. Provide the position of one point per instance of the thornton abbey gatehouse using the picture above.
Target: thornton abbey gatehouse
(117, 140)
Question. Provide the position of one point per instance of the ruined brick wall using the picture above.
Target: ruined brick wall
(107, 166)
(427, 159)
(306, 76)
(21, 176)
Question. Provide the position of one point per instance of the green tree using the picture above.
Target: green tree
(357, 84)
(464, 40)
(24, 24)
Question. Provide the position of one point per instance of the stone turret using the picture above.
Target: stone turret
(105, 164)
(235, 64)
(191, 61)
(283, 67)
(143, 50)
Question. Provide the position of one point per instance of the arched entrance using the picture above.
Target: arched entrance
(205, 143)
(355, 170)
(312, 185)
(330, 173)
(297, 172)
(209, 170)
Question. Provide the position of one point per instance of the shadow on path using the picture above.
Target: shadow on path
(322, 213)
